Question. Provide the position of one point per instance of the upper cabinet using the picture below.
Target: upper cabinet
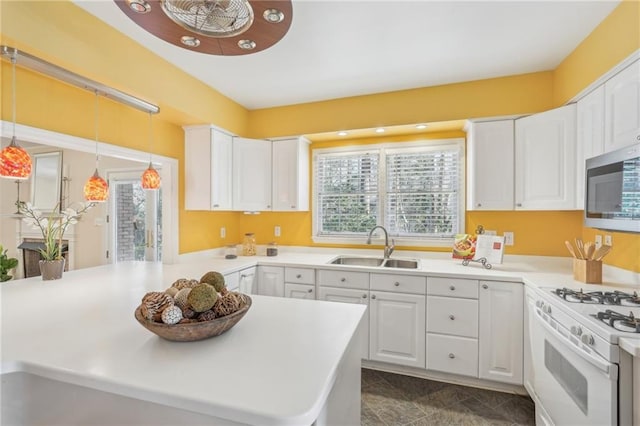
(590, 136)
(545, 165)
(290, 175)
(490, 168)
(251, 174)
(622, 108)
(208, 157)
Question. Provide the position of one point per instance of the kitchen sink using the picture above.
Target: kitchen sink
(375, 261)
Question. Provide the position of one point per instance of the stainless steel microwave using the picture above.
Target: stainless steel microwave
(612, 190)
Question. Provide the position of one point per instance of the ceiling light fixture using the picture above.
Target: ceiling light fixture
(139, 6)
(150, 177)
(421, 126)
(379, 130)
(96, 189)
(15, 162)
(218, 25)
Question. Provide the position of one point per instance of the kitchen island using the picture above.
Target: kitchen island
(286, 362)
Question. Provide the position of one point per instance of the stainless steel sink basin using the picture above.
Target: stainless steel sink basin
(375, 261)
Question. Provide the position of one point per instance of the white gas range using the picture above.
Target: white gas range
(575, 370)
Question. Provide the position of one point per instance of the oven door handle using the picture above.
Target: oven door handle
(602, 365)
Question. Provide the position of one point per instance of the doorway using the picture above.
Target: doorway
(135, 219)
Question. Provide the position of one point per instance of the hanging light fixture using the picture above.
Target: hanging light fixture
(150, 177)
(15, 162)
(96, 189)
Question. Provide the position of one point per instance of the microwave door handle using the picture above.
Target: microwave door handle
(604, 366)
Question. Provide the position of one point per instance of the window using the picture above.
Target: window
(414, 190)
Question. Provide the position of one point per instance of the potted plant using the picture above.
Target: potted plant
(6, 264)
(53, 226)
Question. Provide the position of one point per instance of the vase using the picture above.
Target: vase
(51, 269)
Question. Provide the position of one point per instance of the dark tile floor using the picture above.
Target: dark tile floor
(393, 399)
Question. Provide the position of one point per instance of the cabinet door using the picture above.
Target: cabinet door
(290, 190)
(347, 295)
(490, 165)
(247, 282)
(232, 281)
(622, 108)
(545, 160)
(501, 331)
(397, 327)
(221, 162)
(590, 136)
(271, 281)
(251, 174)
(299, 291)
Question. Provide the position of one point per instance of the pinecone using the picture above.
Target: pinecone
(181, 298)
(153, 304)
(189, 313)
(228, 304)
(207, 316)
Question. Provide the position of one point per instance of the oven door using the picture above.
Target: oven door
(574, 385)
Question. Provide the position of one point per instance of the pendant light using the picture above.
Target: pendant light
(96, 189)
(15, 162)
(150, 177)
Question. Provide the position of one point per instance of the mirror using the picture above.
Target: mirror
(46, 181)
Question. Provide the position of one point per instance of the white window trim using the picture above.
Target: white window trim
(399, 241)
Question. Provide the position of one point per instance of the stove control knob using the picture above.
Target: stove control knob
(587, 339)
(546, 309)
(539, 304)
(576, 330)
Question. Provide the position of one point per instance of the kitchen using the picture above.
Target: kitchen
(533, 92)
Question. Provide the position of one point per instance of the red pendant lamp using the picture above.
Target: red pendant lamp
(96, 189)
(150, 177)
(15, 162)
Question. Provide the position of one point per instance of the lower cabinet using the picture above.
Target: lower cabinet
(271, 281)
(452, 354)
(232, 281)
(397, 328)
(247, 281)
(501, 331)
(299, 291)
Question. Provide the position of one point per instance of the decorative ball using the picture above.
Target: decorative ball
(181, 298)
(185, 283)
(172, 291)
(216, 279)
(153, 304)
(202, 297)
(172, 315)
(188, 313)
(207, 316)
(228, 304)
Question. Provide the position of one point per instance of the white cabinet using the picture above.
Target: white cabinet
(299, 291)
(232, 281)
(490, 165)
(251, 174)
(500, 354)
(300, 283)
(452, 354)
(207, 160)
(247, 281)
(290, 164)
(397, 328)
(590, 136)
(271, 281)
(622, 108)
(545, 165)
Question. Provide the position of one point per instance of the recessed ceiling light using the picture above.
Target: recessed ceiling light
(379, 130)
(421, 126)
(139, 6)
(273, 16)
(247, 44)
(342, 133)
(190, 41)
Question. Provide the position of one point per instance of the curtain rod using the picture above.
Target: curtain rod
(47, 68)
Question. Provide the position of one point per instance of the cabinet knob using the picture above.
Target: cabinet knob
(485, 286)
(397, 284)
(452, 288)
(243, 276)
(310, 290)
(216, 205)
(452, 356)
(364, 296)
(299, 276)
(519, 204)
(293, 207)
(343, 279)
(451, 317)
(268, 206)
(373, 296)
(479, 205)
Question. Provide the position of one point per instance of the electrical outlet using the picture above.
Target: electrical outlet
(608, 240)
(490, 233)
(598, 241)
(508, 238)
(276, 231)
(223, 232)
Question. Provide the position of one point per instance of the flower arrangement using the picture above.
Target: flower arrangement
(52, 225)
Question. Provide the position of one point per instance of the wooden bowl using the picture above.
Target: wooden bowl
(196, 330)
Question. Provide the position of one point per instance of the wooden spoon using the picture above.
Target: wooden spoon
(602, 252)
(589, 249)
(579, 251)
(570, 248)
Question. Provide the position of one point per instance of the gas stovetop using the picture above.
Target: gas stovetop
(615, 297)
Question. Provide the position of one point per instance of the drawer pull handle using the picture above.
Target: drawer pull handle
(364, 296)
(216, 205)
(451, 317)
(343, 279)
(299, 276)
(485, 286)
(373, 296)
(310, 290)
(452, 356)
(452, 288)
(397, 284)
(293, 207)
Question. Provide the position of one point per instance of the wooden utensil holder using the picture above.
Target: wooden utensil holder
(587, 271)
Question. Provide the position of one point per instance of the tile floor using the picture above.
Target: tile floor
(394, 400)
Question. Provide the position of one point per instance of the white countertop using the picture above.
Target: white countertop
(276, 366)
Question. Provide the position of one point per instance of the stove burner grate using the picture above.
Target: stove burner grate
(616, 297)
(620, 321)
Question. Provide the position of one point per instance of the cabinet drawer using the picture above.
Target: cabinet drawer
(399, 283)
(451, 354)
(453, 287)
(299, 291)
(344, 279)
(300, 275)
(232, 281)
(450, 315)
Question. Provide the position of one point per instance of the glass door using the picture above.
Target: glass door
(135, 219)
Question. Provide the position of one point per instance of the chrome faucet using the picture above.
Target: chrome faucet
(388, 249)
